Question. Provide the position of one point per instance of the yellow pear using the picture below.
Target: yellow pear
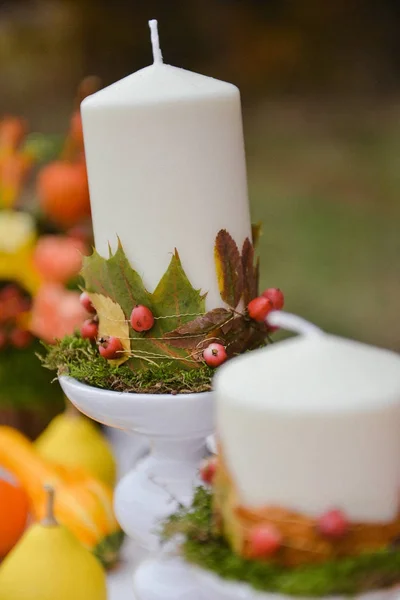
(72, 440)
(49, 563)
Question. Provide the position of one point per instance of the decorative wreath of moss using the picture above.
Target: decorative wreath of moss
(79, 358)
(160, 359)
(205, 547)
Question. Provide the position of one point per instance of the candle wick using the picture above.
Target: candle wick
(279, 318)
(155, 42)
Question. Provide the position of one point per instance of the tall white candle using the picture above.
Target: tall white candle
(166, 167)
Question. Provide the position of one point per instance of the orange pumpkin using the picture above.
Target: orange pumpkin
(83, 504)
(14, 510)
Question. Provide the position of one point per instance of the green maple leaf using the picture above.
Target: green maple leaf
(173, 303)
(176, 297)
(115, 278)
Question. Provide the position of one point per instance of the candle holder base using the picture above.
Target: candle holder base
(176, 427)
(165, 579)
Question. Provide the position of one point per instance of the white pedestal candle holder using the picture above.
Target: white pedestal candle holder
(176, 426)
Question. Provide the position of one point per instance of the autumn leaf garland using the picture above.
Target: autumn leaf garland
(182, 327)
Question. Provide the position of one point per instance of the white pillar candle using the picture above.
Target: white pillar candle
(166, 167)
(313, 423)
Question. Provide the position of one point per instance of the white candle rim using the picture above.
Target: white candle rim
(155, 42)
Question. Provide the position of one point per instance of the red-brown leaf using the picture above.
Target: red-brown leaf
(250, 288)
(203, 323)
(190, 334)
(229, 268)
(241, 334)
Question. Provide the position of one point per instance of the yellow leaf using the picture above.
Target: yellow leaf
(112, 322)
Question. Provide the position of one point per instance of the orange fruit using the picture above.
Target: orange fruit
(14, 509)
(63, 192)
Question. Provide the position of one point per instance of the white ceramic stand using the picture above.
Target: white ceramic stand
(176, 426)
(170, 578)
(166, 578)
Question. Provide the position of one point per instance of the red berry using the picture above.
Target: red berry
(90, 329)
(259, 308)
(86, 302)
(142, 318)
(20, 338)
(333, 524)
(276, 296)
(208, 469)
(110, 347)
(264, 540)
(214, 355)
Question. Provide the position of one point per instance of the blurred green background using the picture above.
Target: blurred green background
(320, 85)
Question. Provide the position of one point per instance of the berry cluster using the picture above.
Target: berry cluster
(110, 347)
(90, 327)
(260, 307)
(266, 539)
(13, 305)
(142, 320)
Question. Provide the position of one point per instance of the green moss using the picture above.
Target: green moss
(207, 549)
(79, 358)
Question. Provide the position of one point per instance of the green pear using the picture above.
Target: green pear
(72, 440)
(49, 563)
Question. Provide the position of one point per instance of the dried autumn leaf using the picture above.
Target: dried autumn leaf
(229, 268)
(240, 335)
(250, 287)
(203, 323)
(112, 322)
(191, 334)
